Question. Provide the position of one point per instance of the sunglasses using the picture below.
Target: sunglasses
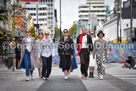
(46, 34)
(28, 32)
(65, 32)
(92, 34)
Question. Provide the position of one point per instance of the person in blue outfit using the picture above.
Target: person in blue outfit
(28, 55)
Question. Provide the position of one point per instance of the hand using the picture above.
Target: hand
(71, 56)
(90, 52)
(35, 56)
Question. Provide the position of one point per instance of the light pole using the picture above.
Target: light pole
(131, 20)
(118, 17)
(60, 19)
(89, 14)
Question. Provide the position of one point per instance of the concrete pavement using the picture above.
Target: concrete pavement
(116, 79)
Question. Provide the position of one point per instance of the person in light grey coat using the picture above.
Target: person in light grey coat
(100, 51)
(28, 55)
(38, 63)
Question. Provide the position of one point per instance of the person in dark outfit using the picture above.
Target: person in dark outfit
(65, 51)
(18, 53)
(85, 48)
(129, 63)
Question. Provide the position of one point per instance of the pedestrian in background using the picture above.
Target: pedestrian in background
(92, 63)
(38, 63)
(28, 55)
(100, 51)
(85, 48)
(10, 55)
(18, 53)
(65, 51)
(46, 51)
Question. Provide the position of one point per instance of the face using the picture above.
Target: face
(84, 30)
(47, 34)
(65, 33)
(92, 34)
(28, 33)
(40, 36)
(100, 35)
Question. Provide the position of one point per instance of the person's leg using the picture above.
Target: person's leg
(98, 60)
(64, 66)
(82, 68)
(26, 64)
(16, 63)
(49, 66)
(9, 62)
(43, 66)
(86, 59)
(39, 71)
(91, 72)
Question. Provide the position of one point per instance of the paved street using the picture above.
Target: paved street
(116, 79)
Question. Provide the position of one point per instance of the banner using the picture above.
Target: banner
(117, 50)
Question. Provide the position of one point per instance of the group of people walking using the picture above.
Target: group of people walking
(36, 53)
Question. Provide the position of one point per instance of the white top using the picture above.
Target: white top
(84, 41)
(28, 47)
(46, 49)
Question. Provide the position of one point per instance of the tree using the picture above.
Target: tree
(33, 34)
(72, 30)
(57, 32)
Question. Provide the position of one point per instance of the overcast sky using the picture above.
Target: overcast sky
(70, 11)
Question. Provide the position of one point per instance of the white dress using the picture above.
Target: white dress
(92, 61)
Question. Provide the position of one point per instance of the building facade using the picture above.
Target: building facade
(92, 8)
(42, 12)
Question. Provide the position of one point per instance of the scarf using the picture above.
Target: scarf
(80, 43)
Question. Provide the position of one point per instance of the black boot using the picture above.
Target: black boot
(90, 76)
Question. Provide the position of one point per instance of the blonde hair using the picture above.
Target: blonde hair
(46, 30)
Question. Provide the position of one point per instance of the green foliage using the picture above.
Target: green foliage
(33, 34)
(72, 30)
(57, 32)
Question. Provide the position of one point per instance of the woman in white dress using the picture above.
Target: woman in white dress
(92, 63)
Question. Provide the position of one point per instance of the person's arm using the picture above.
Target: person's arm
(34, 48)
(72, 47)
(106, 50)
(90, 44)
(59, 48)
(77, 42)
(124, 57)
(39, 50)
(22, 47)
(94, 49)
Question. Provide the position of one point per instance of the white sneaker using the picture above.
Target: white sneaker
(66, 78)
(32, 77)
(43, 78)
(27, 79)
(101, 77)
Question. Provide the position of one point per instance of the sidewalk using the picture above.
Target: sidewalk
(116, 79)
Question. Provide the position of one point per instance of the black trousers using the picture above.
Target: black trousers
(17, 59)
(84, 58)
(46, 66)
(66, 61)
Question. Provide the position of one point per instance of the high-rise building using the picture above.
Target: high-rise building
(42, 12)
(92, 8)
